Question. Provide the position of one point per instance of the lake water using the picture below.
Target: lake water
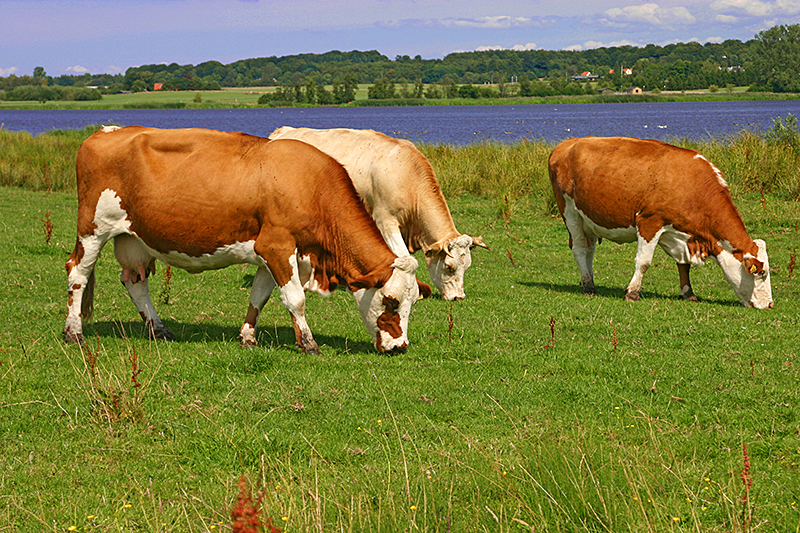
(445, 124)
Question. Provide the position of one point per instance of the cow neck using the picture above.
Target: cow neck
(430, 222)
(727, 225)
(354, 250)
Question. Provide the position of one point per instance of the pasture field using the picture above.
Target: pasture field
(526, 407)
(230, 97)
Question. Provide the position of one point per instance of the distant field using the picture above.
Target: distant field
(227, 97)
(248, 96)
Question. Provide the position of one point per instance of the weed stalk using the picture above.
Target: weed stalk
(747, 481)
(165, 289)
(48, 228)
(552, 334)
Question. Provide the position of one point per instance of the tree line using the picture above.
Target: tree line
(768, 62)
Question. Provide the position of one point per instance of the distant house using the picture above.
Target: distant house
(634, 90)
(157, 86)
(584, 76)
(623, 71)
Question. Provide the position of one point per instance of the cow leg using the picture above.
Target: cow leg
(263, 284)
(294, 299)
(644, 257)
(140, 295)
(80, 286)
(686, 285)
(583, 251)
(394, 238)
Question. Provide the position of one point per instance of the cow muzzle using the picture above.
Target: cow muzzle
(393, 350)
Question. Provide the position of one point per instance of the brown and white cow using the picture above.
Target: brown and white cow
(656, 194)
(399, 188)
(202, 199)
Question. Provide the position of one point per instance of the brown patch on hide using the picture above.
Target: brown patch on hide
(389, 321)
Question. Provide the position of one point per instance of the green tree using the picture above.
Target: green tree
(40, 75)
(776, 58)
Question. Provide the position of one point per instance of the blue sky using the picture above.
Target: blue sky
(108, 36)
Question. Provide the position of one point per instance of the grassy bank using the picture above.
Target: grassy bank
(526, 407)
(507, 173)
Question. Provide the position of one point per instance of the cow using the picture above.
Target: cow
(647, 191)
(399, 188)
(203, 199)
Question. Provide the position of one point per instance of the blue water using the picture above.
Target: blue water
(445, 124)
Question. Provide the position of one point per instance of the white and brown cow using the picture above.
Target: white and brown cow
(202, 199)
(656, 194)
(399, 188)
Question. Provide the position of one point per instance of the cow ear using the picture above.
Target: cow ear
(753, 265)
(478, 241)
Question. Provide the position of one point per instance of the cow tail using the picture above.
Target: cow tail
(87, 302)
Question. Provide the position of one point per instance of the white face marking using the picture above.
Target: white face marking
(752, 290)
(401, 286)
(447, 268)
(717, 171)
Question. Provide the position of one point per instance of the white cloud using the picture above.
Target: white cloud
(789, 6)
(652, 14)
(759, 8)
(726, 19)
(755, 8)
(516, 47)
(77, 69)
(588, 45)
(501, 22)
(8, 71)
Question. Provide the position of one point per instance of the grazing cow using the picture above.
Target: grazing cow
(398, 187)
(650, 192)
(202, 199)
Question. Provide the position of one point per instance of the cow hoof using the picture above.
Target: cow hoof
(249, 343)
(631, 297)
(589, 289)
(160, 334)
(312, 348)
(690, 298)
(74, 338)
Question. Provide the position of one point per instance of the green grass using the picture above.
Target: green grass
(629, 417)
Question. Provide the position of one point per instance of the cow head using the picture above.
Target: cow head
(448, 261)
(385, 310)
(749, 277)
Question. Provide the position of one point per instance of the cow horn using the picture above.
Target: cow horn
(478, 241)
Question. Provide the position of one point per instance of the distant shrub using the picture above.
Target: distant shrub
(44, 93)
(784, 132)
